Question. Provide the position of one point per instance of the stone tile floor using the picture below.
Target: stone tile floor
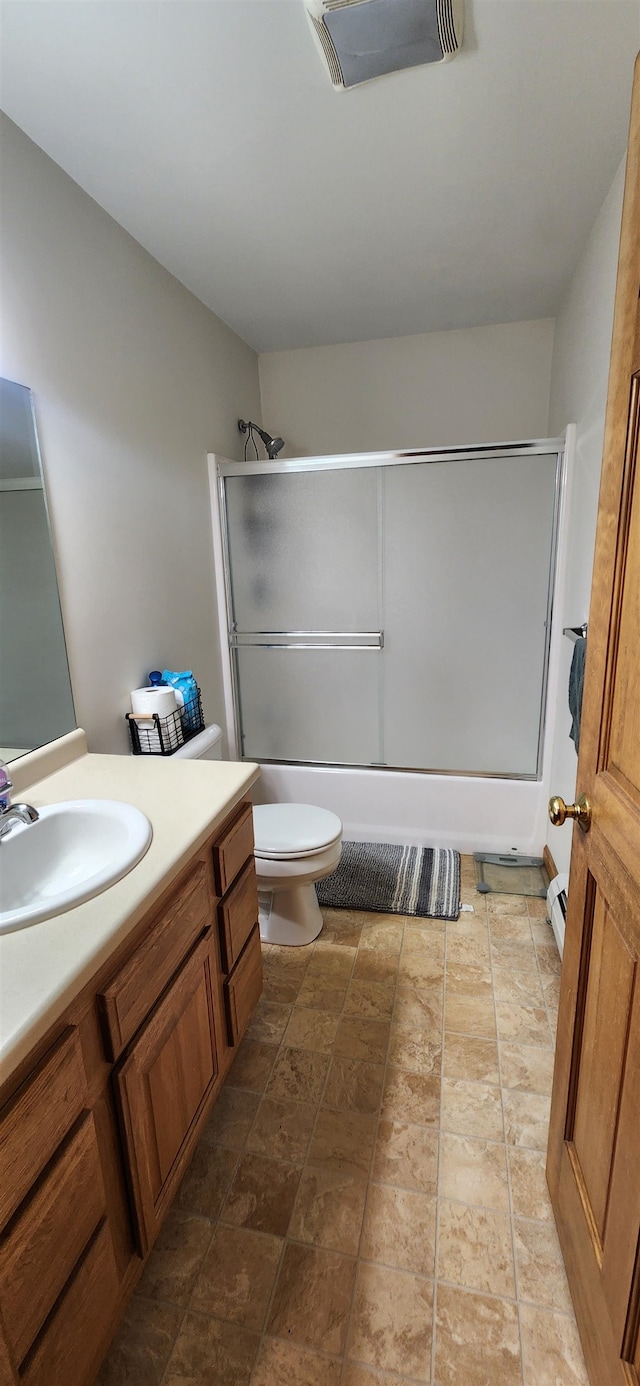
(367, 1205)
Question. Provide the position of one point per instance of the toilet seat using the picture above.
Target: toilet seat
(285, 832)
(295, 846)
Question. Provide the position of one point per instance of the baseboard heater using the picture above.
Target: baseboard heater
(557, 908)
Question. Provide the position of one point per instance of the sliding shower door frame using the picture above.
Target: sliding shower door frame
(343, 461)
(231, 639)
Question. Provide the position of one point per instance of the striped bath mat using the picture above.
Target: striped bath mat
(424, 881)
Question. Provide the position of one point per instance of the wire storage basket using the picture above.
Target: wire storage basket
(161, 736)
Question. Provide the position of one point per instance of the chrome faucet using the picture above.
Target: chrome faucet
(13, 813)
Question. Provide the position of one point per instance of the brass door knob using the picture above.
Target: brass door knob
(581, 811)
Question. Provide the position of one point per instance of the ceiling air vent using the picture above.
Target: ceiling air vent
(326, 43)
(363, 39)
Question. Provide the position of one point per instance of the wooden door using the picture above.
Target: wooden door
(594, 1142)
(164, 1086)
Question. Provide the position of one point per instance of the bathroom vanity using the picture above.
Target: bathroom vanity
(133, 1005)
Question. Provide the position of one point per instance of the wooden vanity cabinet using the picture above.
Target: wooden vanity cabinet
(96, 1136)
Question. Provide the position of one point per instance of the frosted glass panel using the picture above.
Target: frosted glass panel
(466, 560)
(303, 550)
(310, 704)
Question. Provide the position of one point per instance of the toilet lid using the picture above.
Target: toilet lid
(293, 830)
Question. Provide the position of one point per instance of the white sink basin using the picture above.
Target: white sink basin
(74, 851)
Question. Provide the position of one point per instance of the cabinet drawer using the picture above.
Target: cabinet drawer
(237, 915)
(136, 987)
(40, 1248)
(242, 989)
(37, 1119)
(233, 849)
(67, 1349)
(163, 1087)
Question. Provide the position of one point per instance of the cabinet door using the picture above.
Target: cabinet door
(163, 1088)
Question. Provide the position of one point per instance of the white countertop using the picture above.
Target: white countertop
(42, 968)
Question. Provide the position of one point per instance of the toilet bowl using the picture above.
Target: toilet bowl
(295, 845)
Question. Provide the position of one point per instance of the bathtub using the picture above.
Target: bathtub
(471, 814)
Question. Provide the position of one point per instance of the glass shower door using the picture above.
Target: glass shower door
(467, 563)
(394, 609)
(303, 554)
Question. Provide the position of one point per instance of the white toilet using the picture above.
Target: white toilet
(205, 745)
(295, 845)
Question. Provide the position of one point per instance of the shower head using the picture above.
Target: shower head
(273, 445)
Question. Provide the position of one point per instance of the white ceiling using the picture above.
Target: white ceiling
(445, 196)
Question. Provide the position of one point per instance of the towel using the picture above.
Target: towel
(576, 684)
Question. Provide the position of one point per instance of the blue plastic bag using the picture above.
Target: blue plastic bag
(186, 690)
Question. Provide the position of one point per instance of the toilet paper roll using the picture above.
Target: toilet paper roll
(148, 700)
(163, 701)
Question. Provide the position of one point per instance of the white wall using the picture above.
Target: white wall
(579, 379)
(134, 382)
(473, 385)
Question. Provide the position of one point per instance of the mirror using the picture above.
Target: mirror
(36, 703)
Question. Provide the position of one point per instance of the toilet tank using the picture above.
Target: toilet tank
(205, 745)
